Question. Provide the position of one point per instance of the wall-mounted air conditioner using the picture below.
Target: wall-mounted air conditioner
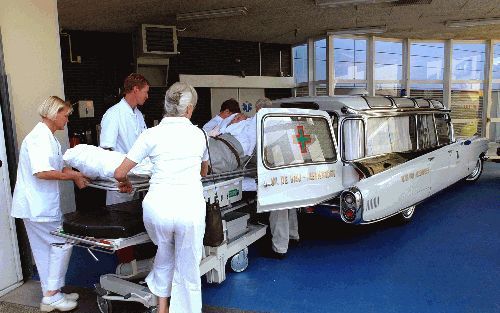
(158, 39)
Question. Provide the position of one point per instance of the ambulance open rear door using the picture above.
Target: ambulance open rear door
(297, 159)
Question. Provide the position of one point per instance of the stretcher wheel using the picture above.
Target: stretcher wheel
(104, 305)
(239, 262)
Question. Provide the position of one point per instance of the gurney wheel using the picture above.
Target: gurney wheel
(239, 262)
(104, 305)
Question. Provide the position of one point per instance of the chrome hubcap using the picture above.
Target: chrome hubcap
(476, 171)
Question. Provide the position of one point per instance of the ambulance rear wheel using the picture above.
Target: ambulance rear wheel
(239, 262)
(104, 305)
(476, 173)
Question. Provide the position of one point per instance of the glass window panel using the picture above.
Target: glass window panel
(390, 134)
(320, 59)
(388, 60)
(393, 90)
(350, 58)
(426, 61)
(297, 140)
(427, 91)
(495, 113)
(443, 129)
(426, 131)
(466, 108)
(496, 61)
(300, 71)
(353, 134)
(468, 61)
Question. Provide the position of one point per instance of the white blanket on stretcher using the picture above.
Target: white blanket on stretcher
(98, 163)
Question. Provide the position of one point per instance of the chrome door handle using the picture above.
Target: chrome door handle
(430, 159)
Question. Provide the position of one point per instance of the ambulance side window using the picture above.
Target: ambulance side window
(297, 140)
(443, 129)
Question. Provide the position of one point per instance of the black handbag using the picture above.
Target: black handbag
(214, 232)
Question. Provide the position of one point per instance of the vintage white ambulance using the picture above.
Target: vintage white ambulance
(366, 158)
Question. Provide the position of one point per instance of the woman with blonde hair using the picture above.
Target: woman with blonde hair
(174, 207)
(37, 201)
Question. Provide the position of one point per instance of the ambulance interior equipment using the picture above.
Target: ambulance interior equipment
(114, 227)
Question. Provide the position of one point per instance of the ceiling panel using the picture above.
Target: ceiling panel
(288, 22)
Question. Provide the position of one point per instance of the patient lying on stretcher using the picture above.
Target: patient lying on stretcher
(98, 163)
(233, 145)
(230, 149)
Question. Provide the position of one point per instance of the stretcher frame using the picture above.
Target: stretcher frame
(116, 287)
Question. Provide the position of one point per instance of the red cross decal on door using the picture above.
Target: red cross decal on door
(302, 139)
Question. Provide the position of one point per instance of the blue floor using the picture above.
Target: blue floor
(446, 260)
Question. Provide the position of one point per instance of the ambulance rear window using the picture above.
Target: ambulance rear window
(297, 140)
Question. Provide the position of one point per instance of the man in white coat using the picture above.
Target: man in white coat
(122, 124)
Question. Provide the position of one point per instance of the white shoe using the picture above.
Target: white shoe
(71, 296)
(62, 305)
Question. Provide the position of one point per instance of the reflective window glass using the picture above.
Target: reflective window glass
(353, 139)
(443, 129)
(426, 131)
(388, 60)
(496, 61)
(300, 63)
(468, 61)
(467, 108)
(426, 61)
(349, 58)
(390, 134)
(297, 140)
(320, 59)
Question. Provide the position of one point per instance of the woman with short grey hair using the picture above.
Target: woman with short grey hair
(174, 207)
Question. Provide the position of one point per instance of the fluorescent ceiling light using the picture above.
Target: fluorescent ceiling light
(336, 3)
(476, 22)
(358, 31)
(212, 13)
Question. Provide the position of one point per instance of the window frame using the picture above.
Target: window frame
(280, 115)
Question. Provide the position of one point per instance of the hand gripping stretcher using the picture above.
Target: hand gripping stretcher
(114, 227)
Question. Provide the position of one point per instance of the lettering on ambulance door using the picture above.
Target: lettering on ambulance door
(297, 161)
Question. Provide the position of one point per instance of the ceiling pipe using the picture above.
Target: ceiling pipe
(260, 61)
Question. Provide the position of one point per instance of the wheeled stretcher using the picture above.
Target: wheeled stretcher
(114, 227)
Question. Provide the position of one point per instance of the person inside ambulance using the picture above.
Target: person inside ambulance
(228, 110)
(123, 123)
(36, 200)
(174, 207)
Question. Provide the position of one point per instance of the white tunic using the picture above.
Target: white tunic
(38, 199)
(176, 148)
(120, 127)
(174, 209)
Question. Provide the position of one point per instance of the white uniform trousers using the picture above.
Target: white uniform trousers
(284, 226)
(51, 261)
(178, 232)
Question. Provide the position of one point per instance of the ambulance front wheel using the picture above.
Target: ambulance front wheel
(239, 262)
(406, 215)
(104, 305)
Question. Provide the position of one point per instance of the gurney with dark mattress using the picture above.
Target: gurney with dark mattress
(113, 227)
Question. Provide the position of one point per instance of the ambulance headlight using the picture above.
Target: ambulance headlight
(351, 205)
